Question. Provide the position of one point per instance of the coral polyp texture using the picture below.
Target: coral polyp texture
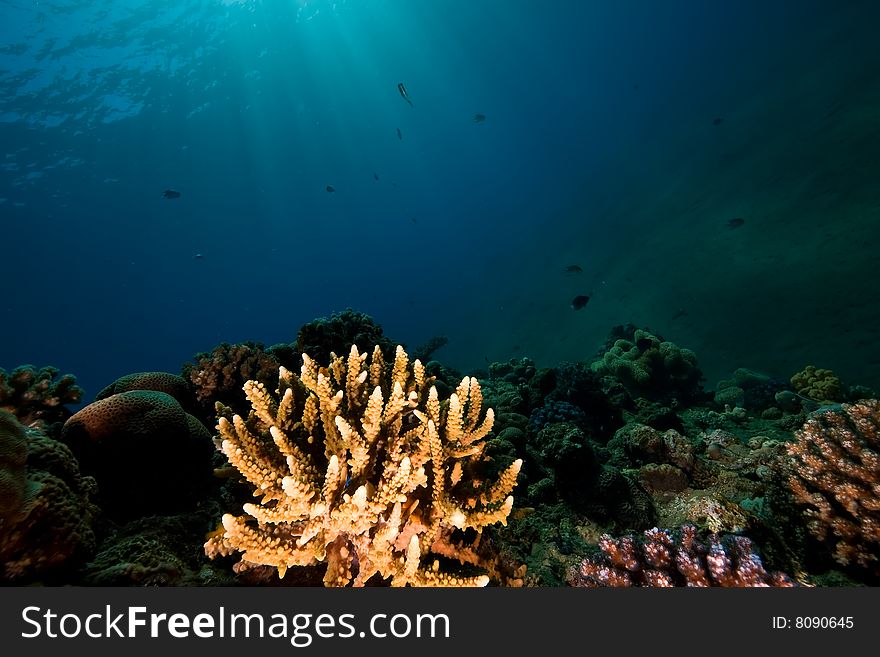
(46, 512)
(666, 558)
(220, 374)
(364, 469)
(834, 471)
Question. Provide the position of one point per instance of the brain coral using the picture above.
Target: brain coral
(146, 452)
(171, 384)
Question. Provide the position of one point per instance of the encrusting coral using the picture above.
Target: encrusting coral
(367, 471)
(46, 520)
(834, 470)
(13, 457)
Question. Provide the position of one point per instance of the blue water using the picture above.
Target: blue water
(600, 148)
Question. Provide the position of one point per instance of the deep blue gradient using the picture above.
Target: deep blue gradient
(598, 148)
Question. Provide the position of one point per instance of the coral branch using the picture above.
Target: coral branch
(376, 481)
(664, 558)
(834, 471)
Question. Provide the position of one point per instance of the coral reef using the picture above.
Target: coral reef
(13, 458)
(48, 525)
(651, 368)
(171, 384)
(36, 395)
(664, 558)
(822, 385)
(218, 376)
(578, 384)
(834, 471)
(166, 451)
(156, 551)
(371, 473)
(335, 334)
(554, 412)
(424, 352)
(366, 471)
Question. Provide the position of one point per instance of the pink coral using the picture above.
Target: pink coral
(663, 558)
(834, 471)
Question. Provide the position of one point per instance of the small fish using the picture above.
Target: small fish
(375, 176)
(635, 87)
(330, 188)
(408, 421)
(681, 312)
(736, 222)
(198, 256)
(170, 193)
(399, 134)
(718, 120)
(479, 118)
(413, 219)
(403, 93)
(579, 301)
(573, 269)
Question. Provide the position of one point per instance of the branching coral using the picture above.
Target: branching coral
(35, 395)
(219, 375)
(663, 558)
(365, 470)
(834, 470)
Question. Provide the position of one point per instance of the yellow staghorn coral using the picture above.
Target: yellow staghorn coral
(365, 471)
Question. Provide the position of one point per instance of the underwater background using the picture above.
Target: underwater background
(622, 138)
(644, 235)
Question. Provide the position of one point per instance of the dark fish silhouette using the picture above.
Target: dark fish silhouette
(330, 188)
(479, 118)
(573, 269)
(170, 193)
(413, 219)
(403, 93)
(579, 301)
(399, 134)
(736, 222)
(375, 176)
(718, 120)
(681, 312)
